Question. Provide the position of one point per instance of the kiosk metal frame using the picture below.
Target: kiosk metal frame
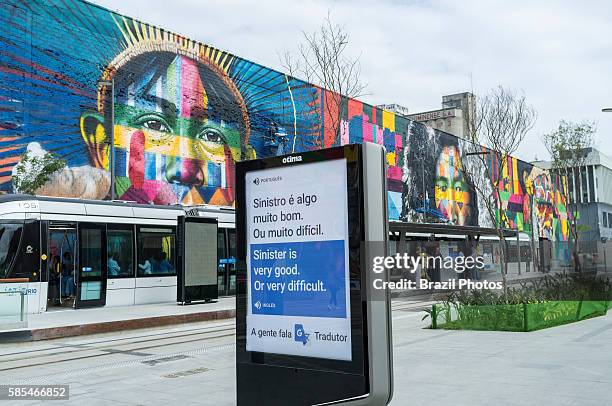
(367, 379)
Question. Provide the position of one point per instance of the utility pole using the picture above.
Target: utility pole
(111, 163)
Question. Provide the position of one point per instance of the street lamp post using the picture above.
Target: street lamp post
(604, 240)
(111, 165)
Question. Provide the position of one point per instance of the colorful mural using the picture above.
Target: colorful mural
(75, 78)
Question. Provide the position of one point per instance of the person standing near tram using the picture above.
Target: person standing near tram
(68, 287)
(54, 278)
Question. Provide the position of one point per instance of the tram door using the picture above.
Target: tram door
(226, 252)
(92, 269)
(61, 263)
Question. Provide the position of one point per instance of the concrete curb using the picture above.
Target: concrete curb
(112, 326)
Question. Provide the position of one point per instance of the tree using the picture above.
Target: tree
(322, 60)
(568, 147)
(34, 170)
(497, 125)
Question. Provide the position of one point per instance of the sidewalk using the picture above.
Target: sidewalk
(70, 322)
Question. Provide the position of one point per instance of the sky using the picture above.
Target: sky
(557, 53)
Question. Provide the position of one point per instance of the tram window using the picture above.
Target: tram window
(232, 242)
(222, 256)
(120, 249)
(231, 233)
(221, 247)
(20, 250)
(156, 252)
(10, 236)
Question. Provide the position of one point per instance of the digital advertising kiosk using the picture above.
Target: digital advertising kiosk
(311, 330)
(197, 262)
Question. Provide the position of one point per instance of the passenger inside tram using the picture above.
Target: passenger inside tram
(62, 240)
(113, 266)
(54, 279)
(68, 286)
(156, 264)
(145, 267)
(165, 265)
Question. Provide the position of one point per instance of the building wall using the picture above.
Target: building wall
(589, 187)
(185, 113)
(605, 227)
(454, 124)
(590, 219)
(452, 117)
(604, 180)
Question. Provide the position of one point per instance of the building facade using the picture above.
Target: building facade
(452, 117)
(86, 83)
(589, 188)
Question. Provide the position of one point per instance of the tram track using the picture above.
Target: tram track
(129, 337)
(412, 306)
(69, 375)
(43, 360)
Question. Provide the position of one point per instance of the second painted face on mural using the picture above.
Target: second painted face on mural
(451, 189)
(542, 188)
(179, 126)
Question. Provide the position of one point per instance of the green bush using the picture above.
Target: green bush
(551, 301)
(572, 287)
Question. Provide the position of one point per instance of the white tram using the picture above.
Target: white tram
(78, 253)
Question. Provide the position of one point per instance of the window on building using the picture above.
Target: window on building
(570, 185)
(156, 252)
(576, 178)
(583, 185)
(605, 219)
(120, 249)
(609, 219)
(591, 184)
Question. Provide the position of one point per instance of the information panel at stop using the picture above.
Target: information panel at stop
(297, 260)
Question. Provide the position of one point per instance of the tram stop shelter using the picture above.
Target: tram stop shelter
(445, 240)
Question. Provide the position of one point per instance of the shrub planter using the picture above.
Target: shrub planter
(514, 317)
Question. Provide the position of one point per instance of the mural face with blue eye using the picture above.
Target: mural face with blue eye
(176, 140)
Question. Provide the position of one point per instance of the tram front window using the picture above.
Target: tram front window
(10, 237)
